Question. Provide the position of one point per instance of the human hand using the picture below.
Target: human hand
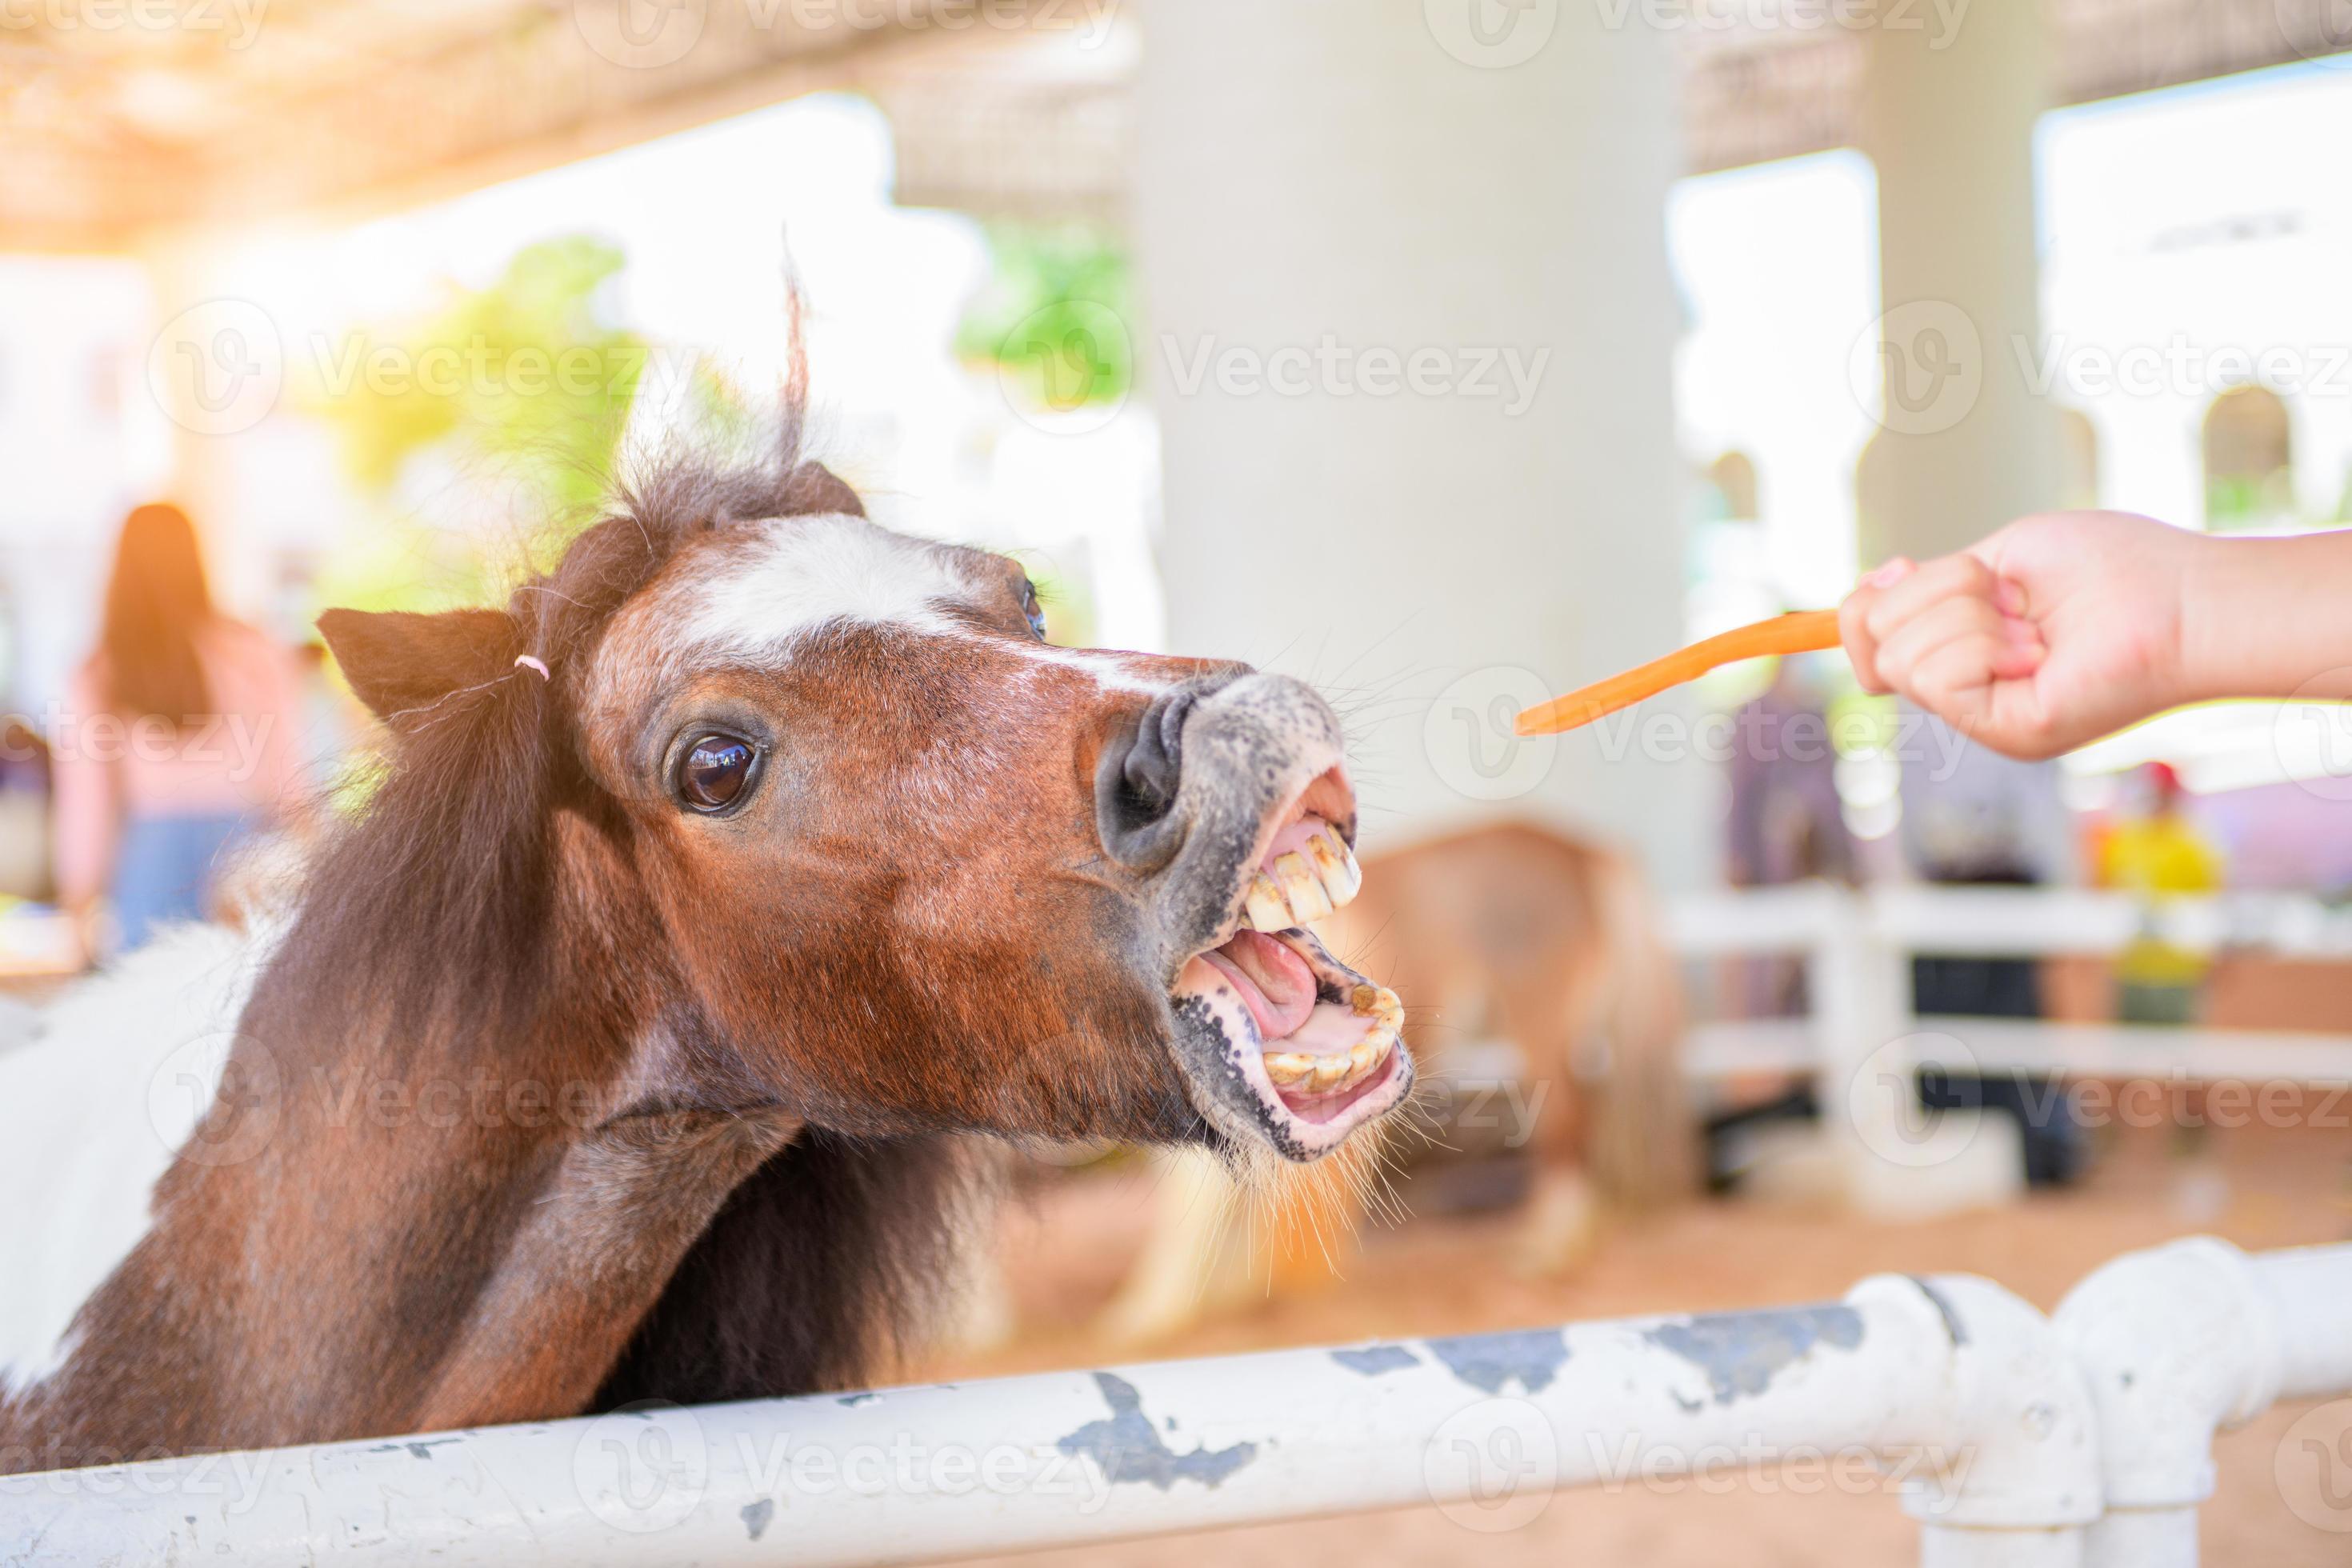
(2060, 628)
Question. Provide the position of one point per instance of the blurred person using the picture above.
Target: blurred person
(1974, 817)
(1787, 823)
(2156, 857)
(180, 731)
(2067, 625)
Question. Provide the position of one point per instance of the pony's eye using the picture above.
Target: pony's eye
(713, 770)
(1033, 609)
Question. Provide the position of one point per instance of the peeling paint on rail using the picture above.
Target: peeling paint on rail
(1531, 1357)
(1129, 1448)
(1741, 1352)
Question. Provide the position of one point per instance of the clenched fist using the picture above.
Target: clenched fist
(2065, 627)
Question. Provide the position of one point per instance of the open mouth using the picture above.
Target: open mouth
(1316, 1046)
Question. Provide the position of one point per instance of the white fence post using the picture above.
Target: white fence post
(1845, 976)
(1896, 1159)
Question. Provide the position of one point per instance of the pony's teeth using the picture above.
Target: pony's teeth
(1287, 1068)
(1265, 908)
(1302, 885)
(1299, 887)
(1370, 1053)
(1336, 865)
(1312, 1073)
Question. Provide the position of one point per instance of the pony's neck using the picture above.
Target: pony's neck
(602, 1236)
(375, 1232)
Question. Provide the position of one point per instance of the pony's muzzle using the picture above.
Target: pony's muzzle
(1216, 789)
(1253, 822)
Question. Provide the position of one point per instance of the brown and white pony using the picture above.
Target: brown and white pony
(622, 1043)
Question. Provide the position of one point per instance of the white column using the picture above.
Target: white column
(1948, 120)
(1332, 201)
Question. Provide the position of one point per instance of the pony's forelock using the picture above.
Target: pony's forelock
(431, 897)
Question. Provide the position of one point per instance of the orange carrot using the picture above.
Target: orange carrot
(1804, 631)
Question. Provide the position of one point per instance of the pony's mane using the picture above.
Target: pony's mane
(828, 1269)
(430, 900)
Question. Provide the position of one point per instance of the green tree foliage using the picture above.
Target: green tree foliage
(1053, 316)
(522, 377)
(522, 386)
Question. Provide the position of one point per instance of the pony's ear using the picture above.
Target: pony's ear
(400, 662)
(817, 490)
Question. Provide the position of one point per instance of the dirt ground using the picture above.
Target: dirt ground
(1066, 1247)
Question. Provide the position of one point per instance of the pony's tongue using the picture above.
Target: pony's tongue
(1274, 982)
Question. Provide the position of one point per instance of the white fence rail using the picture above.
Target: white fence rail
(1866, 1043)
(2080, 1440)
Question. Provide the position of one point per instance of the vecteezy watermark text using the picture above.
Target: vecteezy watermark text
(238, 21)
(1762, 1468)
(1329, 368)
(237, 742)
(649, 35)
(2181, 366)
(1938, 20)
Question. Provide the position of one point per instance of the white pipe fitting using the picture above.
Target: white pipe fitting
(2183, 1342)
(2178, 1342)
(2024, 1437)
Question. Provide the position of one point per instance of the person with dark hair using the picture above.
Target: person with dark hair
(178, 732)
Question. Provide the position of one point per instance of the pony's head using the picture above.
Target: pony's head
(867, 846)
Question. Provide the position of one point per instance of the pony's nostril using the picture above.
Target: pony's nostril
(1137, 784)
(1152, 762)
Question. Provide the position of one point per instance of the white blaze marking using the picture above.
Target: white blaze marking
(1109, 669)
(86, 1129)
(798, 575)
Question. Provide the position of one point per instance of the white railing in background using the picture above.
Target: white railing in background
(2078, 1440)
(1865, 1042)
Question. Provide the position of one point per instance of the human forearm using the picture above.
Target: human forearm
(2269, 618)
